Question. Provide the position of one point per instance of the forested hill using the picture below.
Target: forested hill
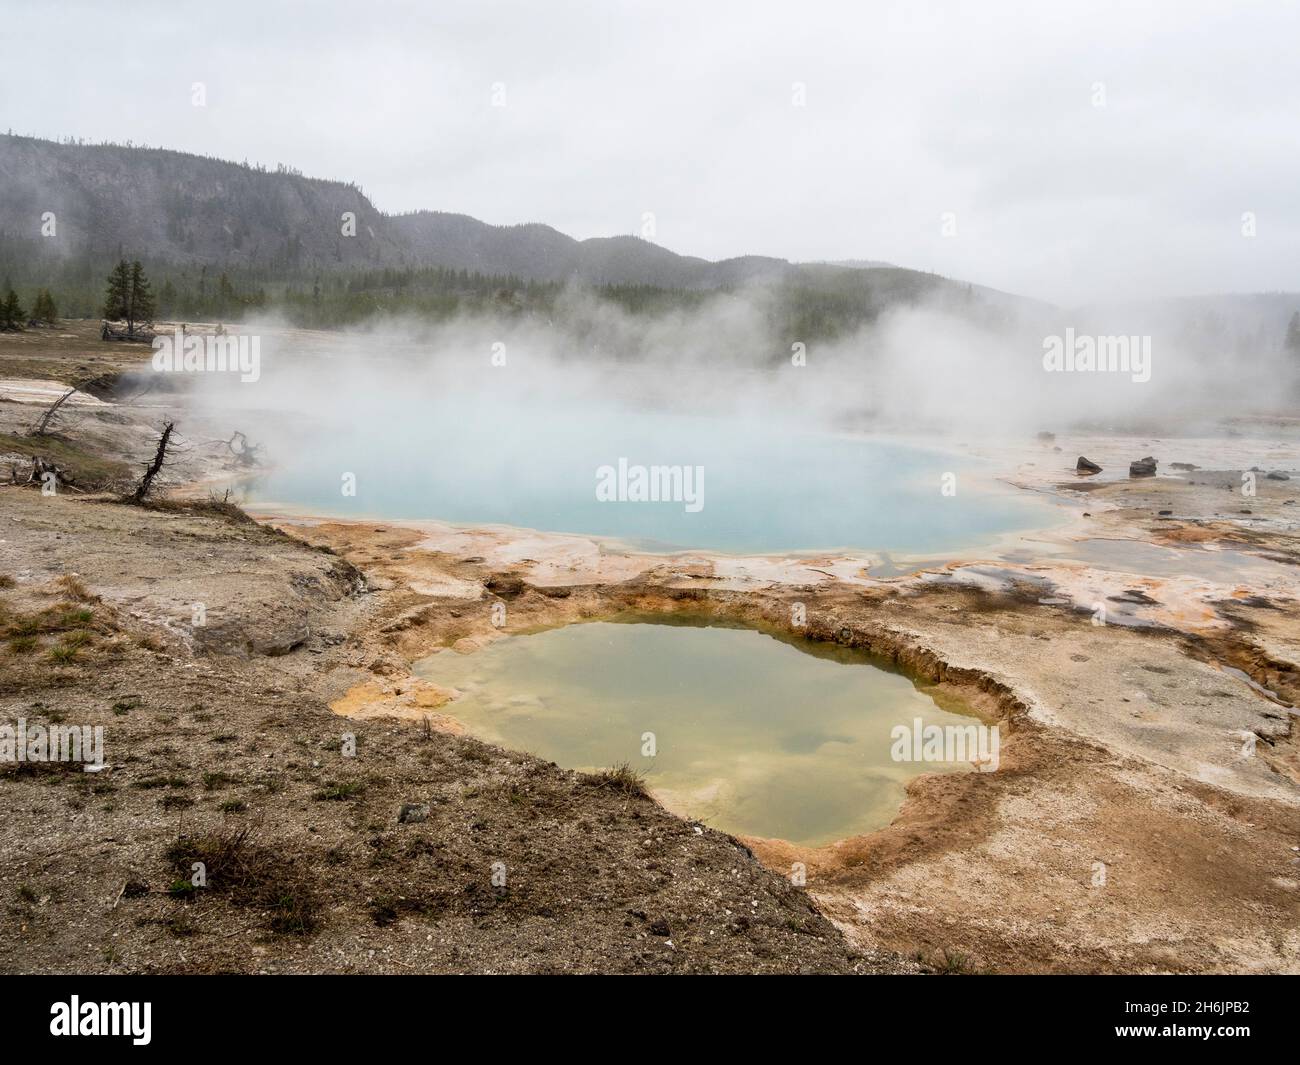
(176, 209)
(221, 240)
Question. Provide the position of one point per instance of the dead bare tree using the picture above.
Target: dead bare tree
(50, 412)
(246, 453)
(155, 467)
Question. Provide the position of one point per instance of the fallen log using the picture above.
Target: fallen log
(139, 336)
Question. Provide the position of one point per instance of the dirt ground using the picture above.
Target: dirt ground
(1145, 816)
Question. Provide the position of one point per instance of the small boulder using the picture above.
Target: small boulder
(1086, 465)
(1144, 467)
(1278, 475)
(413, 813)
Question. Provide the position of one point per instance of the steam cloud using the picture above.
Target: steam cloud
(921, 369)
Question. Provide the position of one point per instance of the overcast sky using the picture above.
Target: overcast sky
(991, 113)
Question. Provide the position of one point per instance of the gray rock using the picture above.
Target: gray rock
(1086, 465)
(1145, 467)
(1278, 475)
(413, 813)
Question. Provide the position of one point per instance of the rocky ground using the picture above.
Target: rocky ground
(1145, 816)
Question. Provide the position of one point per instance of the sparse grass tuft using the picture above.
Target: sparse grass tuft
(217, 507)
(473, 751)
(76, 589)
(63, 654)
(622, 778)
(161, 782)
(507, 792)
(338, 792)
(182, 889)
(26, 626)
(251, 875)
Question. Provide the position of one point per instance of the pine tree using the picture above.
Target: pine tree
(117, 301)
(1293, 335)
(44, 309)
(142, 305)
(12, 315)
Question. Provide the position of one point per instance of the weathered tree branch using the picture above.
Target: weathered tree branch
(50, 411)
(246, 453)
(146, 484)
